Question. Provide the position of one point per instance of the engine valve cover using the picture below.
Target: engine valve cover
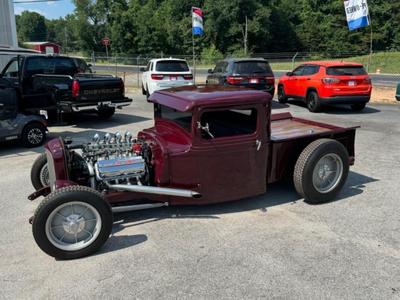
(120, 168)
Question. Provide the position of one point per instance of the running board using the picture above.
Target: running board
(126, 208)
(154, 190)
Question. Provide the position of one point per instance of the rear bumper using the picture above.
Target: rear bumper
(83, 106)
(345, 99)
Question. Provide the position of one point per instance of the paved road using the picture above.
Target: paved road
(271, 246)
(377, 79)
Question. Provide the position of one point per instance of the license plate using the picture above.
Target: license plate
(104, 103)
(351, 83)
(254, 80)
(173, 78)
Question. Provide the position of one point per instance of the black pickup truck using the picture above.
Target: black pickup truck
(55, 84)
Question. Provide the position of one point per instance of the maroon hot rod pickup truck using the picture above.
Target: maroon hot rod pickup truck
(208, 144)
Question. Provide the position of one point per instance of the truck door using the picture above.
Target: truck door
(231, 152)
(8, 100)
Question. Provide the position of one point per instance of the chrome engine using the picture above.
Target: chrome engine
(114, 159)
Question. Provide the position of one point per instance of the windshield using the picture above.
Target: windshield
(172, 66)
(183, 119)
(252, 67)
(346, 70)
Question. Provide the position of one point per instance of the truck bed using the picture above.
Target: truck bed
(286, 127)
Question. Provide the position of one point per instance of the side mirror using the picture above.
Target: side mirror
(142, 69)
(89, 65)
(289, 73)
(210, 71)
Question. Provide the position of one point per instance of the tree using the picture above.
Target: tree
(31, 27)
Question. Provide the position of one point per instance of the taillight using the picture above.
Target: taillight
(75, 88)
(330, 80)
(157, 76)
(270, 80)
(188, 77)
(234, 79)
(367, 80)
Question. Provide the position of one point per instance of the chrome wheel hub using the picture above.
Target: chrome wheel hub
(73, 226)
(327, 173)
(44, 176)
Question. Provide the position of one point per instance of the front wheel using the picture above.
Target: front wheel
(72, 222)
(281, 94)
(40, 172)
(321, 171)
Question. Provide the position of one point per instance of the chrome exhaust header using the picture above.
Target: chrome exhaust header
(154, 190)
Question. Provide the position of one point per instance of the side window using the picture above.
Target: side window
(311, 70)
(148, 66)
(219, 67)
(229, 122)
(298, 71)
(12, 70)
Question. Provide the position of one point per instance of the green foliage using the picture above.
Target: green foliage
(155, 27)
(31, 27)
(210, 55)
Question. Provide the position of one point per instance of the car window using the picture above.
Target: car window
(50, 65)
(346, 70)
(82, 66)
(298, 71)
(12, 70)
(230, 122)
(172, 66)
(252, 67)
(310, 70)
(183, 119)
(219, 67)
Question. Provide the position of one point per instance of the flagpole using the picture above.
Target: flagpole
(370, 42)
(194, 60)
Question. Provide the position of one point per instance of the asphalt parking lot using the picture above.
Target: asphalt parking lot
(270, 246)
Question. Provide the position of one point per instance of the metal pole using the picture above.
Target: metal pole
(138, 71)
(370, 43)
(194, 60)
(294, 59)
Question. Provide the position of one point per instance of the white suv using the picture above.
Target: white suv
(164, 73)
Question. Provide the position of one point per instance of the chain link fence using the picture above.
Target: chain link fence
(383, 67)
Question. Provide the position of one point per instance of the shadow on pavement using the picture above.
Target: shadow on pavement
(120, 242)
(91, 120)
(277, 105)
(277, 194)
(339, 109)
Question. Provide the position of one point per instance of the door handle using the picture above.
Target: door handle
(258, 144)
(1, 104)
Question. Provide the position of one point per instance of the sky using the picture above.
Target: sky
(50, 10)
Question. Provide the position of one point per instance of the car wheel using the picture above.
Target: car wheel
(313, 102)
(147, 93)
(358, 106)
(106, 112)
(72, 222)
(33, 135)
(143, 90)
(321, 171)
(281, 94)
(40, 172)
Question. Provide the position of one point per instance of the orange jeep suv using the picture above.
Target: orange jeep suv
(327, 82)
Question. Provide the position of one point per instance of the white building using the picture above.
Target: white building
(8, 34)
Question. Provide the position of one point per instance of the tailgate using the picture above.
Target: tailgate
(97, 89)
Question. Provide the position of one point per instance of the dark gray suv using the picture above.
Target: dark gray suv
(30, 129)
(253, 73)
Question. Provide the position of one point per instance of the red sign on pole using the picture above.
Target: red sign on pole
(106, 41)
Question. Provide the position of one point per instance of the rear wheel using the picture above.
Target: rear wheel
(33, 135)
(106, 112)
(147, 93)
(321, 170)
(72, 222)
(313, 102)
(143, 90)
(358, 106)
(281, 94)
(40, 172)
